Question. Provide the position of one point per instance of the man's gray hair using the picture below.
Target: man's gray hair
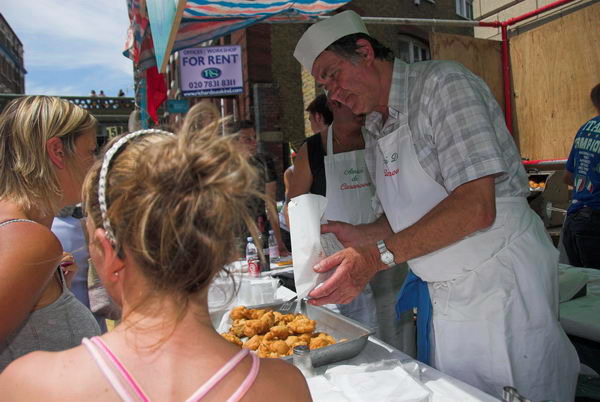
(346, 47)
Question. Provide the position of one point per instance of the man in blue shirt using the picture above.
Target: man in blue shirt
(581, 235)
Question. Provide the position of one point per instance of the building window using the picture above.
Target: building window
(464, 8)
(413, 50)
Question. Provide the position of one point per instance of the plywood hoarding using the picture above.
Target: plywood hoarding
(554, 68)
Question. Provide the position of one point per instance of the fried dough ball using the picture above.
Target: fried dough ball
(255, 327)
(232, 338)
(283, 318)
(253, 343)
(238, 313)
(279, 347)
(305, 338)
(264, 350)
(237, 328)
(268, 318)
(321, 340)
(280, 331)
(302, 325)
(293, 341)
(255, 314)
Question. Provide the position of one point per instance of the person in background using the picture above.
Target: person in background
(319, 117)
(331, 163)
(284, 221)
(101, 94)
(93, 93)
(265, 166)
(46, 146)
(581, 233)
(121, 93)
(453, 189)
(69, 227)
(192, 187)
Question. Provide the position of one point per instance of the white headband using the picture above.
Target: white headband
(324, 33)
(102, 182)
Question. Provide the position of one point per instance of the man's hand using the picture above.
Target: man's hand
(355, 268)
(349, 235)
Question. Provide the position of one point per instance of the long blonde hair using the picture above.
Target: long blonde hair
(26, 124)
(174, 203)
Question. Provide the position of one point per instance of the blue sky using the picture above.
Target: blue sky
(72, 46)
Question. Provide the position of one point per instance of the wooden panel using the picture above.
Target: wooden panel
(481, 56)
(554, 68)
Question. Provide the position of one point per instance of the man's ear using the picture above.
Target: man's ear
(56, 152)
(319, 118)
(365, 50)
(113, 264)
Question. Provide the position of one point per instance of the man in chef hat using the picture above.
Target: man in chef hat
(453, 189)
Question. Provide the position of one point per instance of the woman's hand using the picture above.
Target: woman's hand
(68, 267)
(283, 251)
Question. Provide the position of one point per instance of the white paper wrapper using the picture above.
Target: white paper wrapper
(308, 245)
(379, 381)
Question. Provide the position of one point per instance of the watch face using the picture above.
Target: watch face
(387, 258)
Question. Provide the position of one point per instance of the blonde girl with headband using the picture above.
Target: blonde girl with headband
(162, 212)
(46, 147)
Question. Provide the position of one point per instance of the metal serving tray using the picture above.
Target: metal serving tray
(334, 324)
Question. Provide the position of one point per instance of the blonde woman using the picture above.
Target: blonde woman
(46, 147)
(162, 211)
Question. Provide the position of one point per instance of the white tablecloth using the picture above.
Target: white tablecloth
(581, 316)
(439, 386)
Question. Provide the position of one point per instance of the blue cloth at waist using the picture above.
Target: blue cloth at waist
(414, 293)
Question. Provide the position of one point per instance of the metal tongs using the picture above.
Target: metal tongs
(299, 304)
(287, 306)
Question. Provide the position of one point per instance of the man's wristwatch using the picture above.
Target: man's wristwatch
(385, 255)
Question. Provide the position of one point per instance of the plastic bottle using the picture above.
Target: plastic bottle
(273, 247)
(266, 264)
(252, 258)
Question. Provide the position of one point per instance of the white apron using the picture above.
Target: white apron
(349, 194)
(494, 293)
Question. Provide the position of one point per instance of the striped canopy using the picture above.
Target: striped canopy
(204, 20)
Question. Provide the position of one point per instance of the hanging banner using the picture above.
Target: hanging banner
(211, 71)
(165, 17)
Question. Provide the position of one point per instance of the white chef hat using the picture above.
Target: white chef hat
(324, 33)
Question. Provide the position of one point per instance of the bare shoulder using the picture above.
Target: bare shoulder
(29, 242)
(282, 378)
(47, 375)
(23, 378)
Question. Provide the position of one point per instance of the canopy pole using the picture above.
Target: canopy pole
(506, 79)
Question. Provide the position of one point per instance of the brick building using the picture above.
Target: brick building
(12, 67)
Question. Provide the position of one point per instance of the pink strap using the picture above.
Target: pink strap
(196, 396)
(130, 380)
(248, 382)
(223, 371)
(110, 375)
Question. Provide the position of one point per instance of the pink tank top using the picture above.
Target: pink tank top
(130, 391)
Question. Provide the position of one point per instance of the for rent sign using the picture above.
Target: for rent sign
(211, 71)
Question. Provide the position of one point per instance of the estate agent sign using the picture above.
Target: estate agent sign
(211, 71)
